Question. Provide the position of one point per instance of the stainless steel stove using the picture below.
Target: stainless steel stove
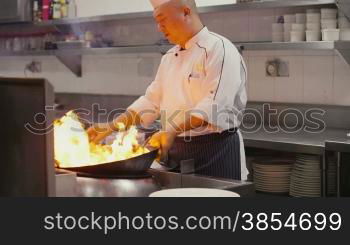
(69, 184)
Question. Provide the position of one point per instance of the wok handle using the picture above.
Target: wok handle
(144, 144)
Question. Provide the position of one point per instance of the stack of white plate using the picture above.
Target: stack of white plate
(306, 177)
(272, 176)
(331, 177)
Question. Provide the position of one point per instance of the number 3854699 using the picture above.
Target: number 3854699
(278, 221)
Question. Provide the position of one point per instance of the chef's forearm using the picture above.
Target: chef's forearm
(127, 118)
(190, 123)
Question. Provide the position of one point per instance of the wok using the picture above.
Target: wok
(129, 167)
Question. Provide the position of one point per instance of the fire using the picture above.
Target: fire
(73, 149)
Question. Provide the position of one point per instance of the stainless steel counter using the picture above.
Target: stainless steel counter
(300, 142)
(69, 185)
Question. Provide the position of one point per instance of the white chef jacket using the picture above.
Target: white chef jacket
(206, 79)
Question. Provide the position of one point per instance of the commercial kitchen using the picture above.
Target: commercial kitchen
(69, 66)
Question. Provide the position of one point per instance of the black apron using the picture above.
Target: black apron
(216, 155)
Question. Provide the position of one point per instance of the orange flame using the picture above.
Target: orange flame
(73, 149)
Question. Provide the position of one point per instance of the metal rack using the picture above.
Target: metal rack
(288, 46)
(341, 47)
(66, 55)
(72, 57)
(203, 10)
(249, 46)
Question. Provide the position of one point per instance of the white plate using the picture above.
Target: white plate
(304, 189)
(310, 193)
(274, 191)
(306, 176)
(194, 192)
(272, 176)
(287, 166)
(305, 182)
(259, 182)
(272, 185)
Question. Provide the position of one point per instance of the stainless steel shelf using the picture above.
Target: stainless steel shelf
(66, 55)
(265, 4)
(92, 51)
(28, 53)
(202, 10)
(72, 58)
(291, 46)
(117, 50)
(342, 45)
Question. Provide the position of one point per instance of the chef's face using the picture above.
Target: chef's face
(171, 22)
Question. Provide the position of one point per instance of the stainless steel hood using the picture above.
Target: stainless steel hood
(14, 11)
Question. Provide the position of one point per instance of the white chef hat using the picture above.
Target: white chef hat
(157, 3)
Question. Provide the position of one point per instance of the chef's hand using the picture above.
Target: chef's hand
(163, 140)
(99, 132)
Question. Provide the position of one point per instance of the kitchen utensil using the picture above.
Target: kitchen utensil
(277, 37)
(297, 36)
(313, 17)
(287, 27)
(313, 26)
(328, 13)
(330, 34)
(145, 143)
(286, 37)
(312, 36)
(298, 27)
(277, 27)
(300, 18)
(132, 166)
(289, 18)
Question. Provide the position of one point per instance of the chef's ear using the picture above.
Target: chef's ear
(187, 11)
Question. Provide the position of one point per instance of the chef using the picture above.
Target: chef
(199, 93)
